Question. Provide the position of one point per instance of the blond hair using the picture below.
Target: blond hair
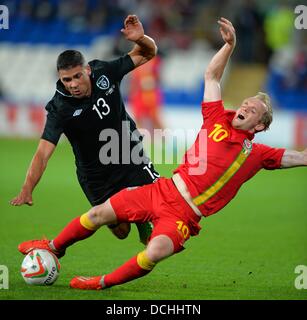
(267, 117)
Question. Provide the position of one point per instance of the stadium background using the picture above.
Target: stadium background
(251, 248)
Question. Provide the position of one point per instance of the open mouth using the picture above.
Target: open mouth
(241, 117)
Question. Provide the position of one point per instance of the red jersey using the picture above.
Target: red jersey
(229, 159)
(145, 93)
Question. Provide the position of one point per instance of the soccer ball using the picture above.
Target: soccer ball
(40, 267)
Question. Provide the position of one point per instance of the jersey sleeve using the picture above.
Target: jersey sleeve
(212, 110)
(120, 67)
(53, 129)
(270, 157)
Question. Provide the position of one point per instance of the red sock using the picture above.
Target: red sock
(127, 272)
(72, 233)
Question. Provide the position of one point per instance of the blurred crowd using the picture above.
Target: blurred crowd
(264, 28)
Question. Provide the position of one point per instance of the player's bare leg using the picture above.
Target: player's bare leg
(120, 230)
(159, 248)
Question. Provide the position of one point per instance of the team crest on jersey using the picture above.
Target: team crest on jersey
(247, 146)
(103, 83)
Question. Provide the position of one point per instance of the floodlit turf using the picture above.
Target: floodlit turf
(247, 251)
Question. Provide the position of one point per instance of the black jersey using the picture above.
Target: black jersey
(98, 123)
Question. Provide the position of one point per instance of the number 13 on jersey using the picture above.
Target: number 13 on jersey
(102, 108)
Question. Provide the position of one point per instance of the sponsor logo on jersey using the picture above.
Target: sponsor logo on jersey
(103, 83)
(111, 90)
(77, 113)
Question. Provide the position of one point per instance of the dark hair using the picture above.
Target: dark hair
(70, 59)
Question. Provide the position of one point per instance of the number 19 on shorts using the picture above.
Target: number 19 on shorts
(183, 228)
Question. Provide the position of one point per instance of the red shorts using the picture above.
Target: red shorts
(163, 205)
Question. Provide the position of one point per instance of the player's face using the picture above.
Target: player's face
(77, 81)
(249, 115)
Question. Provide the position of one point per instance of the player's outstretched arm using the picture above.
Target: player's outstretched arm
(145, 47)
(35, 171)
(216, 67)
(292, 158)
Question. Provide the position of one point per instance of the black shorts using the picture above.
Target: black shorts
(100, 187)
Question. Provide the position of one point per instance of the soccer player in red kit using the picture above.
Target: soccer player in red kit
(222, 158)
(145, 95)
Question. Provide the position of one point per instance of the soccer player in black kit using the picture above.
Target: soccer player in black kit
(88, 101)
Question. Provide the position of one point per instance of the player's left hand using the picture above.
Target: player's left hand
(133, 28)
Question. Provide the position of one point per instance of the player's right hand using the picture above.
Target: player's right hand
(228, 32)
(24, 197)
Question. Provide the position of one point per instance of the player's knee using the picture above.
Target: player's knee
(92, 216)
(102, 214)
(96, 215)
(159, 248)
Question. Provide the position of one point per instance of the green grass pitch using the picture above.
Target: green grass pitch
(249, 250)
